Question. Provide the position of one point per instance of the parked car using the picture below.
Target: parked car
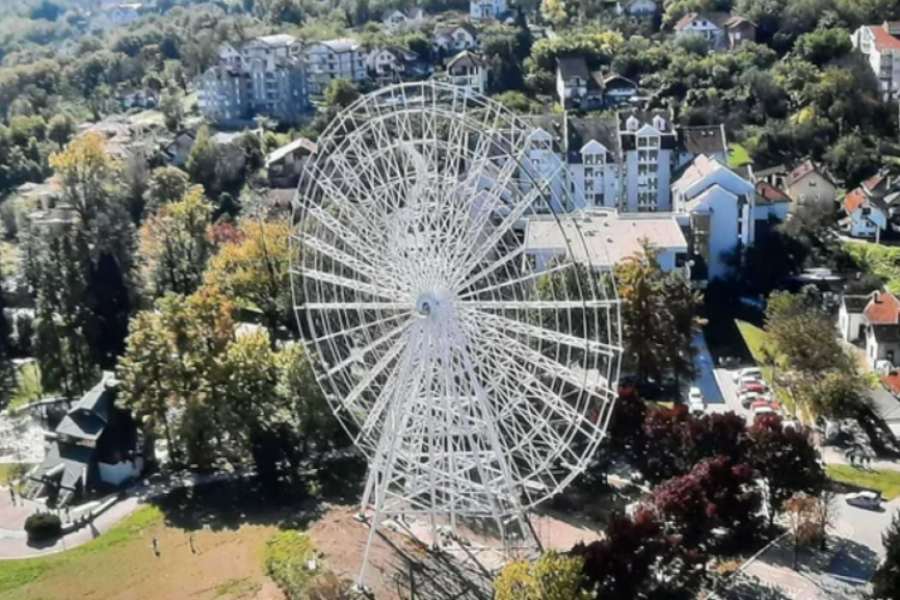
(695, 401)
(753, 386)
(749, 398)
(741, 373)
(868, 500)
(763, 411)
(749, 380)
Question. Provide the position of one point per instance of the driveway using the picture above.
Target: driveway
(706, 379)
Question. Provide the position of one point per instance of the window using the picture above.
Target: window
(589, 184)
(588, 172)
(866, 211)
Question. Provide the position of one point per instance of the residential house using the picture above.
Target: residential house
(880, 44)
(395, 19)
(703, 139)
(875, 321)
(456, 38)
(576, 86)
(393, 64)
(637, 8)
(717, 205)
(342, 58)
(52, 215)
(264, 76)
(96, 443)
(179, 149)
(617, 90)
(771, 207)
(601, 238)
(138, 99)
(124, 140)
(808, 183)
(487, 9)
(285, 164)
(722, 30)
(867, 214)
(469, 71)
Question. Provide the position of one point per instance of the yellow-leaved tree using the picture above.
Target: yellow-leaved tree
(552, 577)
(88, 174)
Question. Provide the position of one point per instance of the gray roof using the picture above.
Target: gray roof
(279, 154)
(573, 66)
(87, 419)
(66, 463)
(342, 44)
(277, 40)
(855, 304)
(582, 130)
(706, 139)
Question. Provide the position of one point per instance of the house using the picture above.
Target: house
(867, 214)
(487, 9)
(395, 19)
(138, 99)
(263, 76)
(771, 207)
(576, 86)
(809, 183)
(637, 8)
(618, 90)
(875, 321)
(469, 71)
(704, 139)
(393, 64)
(285, 164)
(717, 205)
(326, 61)
(180, 147)
(721, 30)
(96, 443)
(456, 38)
(607, 238)
(880, 45)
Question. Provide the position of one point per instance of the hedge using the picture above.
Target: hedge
(285, 558)
(43, 526)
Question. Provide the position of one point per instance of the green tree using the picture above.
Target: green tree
(61, 129)
(167, 186)
(173, 111)
(201, 162)
(340, 94)
(551, 577)
(886, 582)
(175, 246)
(87, 174)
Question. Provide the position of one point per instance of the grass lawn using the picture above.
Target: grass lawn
(29, 386)
(227, 567)
(738, 156)
(887, 482)
(883, 261)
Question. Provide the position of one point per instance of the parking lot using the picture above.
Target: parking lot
(720, 393)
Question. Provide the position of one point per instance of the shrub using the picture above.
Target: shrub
(43, 526)
(285, 558)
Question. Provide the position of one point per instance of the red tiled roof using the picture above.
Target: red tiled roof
(854, 200)
(892, 382)
(770, 194)
(884, 40)
(872, 182)
(883, 308)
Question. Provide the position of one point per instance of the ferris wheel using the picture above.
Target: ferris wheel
(477, 384)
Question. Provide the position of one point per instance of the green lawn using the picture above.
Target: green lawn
(738, 156)
(16, 573)
(886, 482)
(883, 261)
(29, 386)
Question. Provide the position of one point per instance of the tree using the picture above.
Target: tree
(803, 333)
(173, 111)
(175, 246)
(682, 503)
(201, 162)
(786, 461)
(886, 581)
(340, 93)
(554, 12)
(801, 513)
(551, 577)
(87, 174)
(254, 271)
(167, 185)
(61, 129)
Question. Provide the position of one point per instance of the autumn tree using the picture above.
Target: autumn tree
(886, 581)
(167, 186)
(87, 174)
(800, 510)
(175, 246)
(551, 577)
(254, 271)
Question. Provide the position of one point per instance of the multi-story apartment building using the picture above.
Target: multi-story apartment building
(625, 162)
(264, 76)
(880, 44)
(487, 9)
(342, 58)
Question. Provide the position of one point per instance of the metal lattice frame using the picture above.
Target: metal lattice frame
(475, 387)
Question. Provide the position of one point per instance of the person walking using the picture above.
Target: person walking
(12, 494)
(156, 547)
(191, 543)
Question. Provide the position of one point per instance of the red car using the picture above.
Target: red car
(756, 388)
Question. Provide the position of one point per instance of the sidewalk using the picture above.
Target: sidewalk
(832, 456)
(14, 544)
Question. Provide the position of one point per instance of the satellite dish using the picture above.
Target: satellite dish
(476, 386)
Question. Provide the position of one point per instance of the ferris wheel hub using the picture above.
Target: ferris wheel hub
(426, 305)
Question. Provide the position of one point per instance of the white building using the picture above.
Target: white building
(880, 44)
(342, 58)
(602, 238)
(637, 8)
(576, 86)
(395, 19)
(468, 71)
(456, 38)
(721, 29)
(487, 9)
(392, 64)
(874, 319)
(263, 76)
(648, 142)
(718, 206)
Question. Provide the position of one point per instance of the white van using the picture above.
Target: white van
(748, 372)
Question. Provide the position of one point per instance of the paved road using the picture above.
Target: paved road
(716, 385)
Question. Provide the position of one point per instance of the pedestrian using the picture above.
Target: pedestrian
(156, 547)
(191, 543)
(68, 516)
(12, 494)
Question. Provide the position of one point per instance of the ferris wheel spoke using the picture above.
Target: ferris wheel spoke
(517, 281)
(377, 343)
(350, 284)
(363, 327)
(548, 335)
(347, 235)
(536, 304)
(343, 306)
(360, 266)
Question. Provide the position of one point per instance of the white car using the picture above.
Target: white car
(749, 371)
(748, 398)
(695, 401)
(869, 500)
(748, 379)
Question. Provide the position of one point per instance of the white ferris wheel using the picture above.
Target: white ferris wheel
(476, 385)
